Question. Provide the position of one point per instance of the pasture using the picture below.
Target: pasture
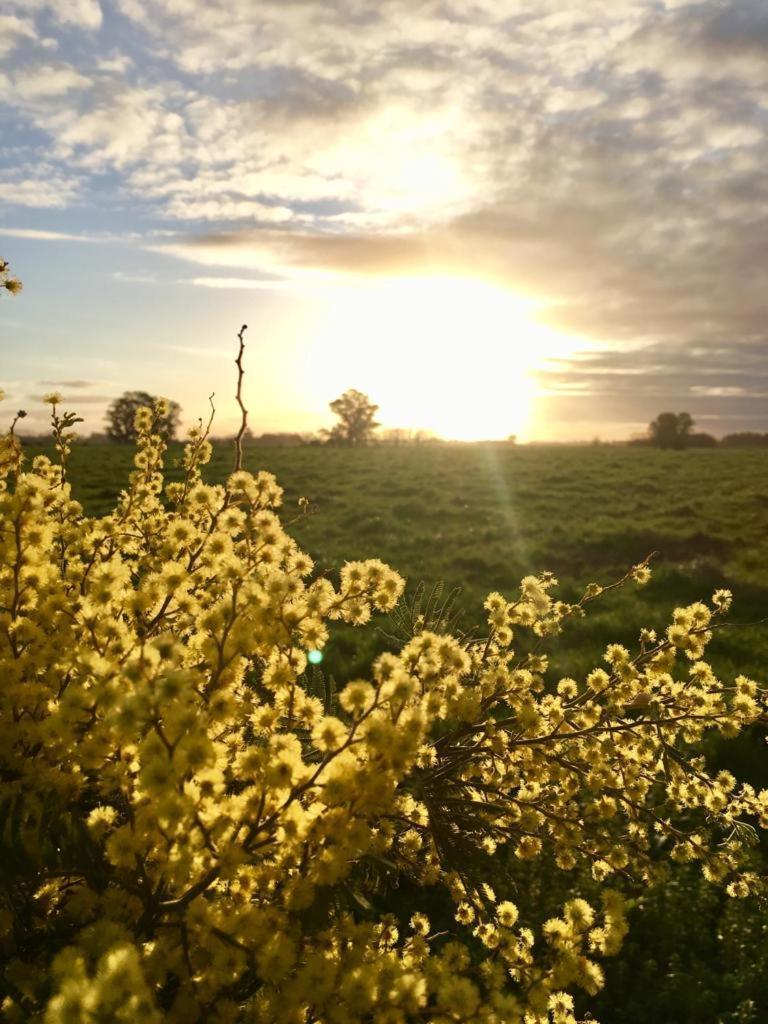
(479, 517)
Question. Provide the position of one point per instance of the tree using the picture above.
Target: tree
(671, 430)
(745, 439)
(121, 417)
(356, 418)
(702, 440)
(8, 283)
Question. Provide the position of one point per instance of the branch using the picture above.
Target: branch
(239, 396)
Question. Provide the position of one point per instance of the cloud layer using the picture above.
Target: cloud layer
(606, 158)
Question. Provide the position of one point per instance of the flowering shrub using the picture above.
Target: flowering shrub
(8, 283)
(195, 829)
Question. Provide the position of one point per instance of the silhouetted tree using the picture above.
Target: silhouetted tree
(671, 430)
(701, 440)
(745, 439)
(8, 283)
(122, 412)
(356, 419)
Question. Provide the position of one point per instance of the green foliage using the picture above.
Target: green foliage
(691, 956)
(427, 608)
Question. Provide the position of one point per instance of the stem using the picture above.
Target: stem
(239, 397)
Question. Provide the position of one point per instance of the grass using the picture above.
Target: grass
(479, 517)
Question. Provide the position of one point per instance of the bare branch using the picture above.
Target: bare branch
(239, 396)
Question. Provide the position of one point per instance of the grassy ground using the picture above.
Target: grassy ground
(480, 517)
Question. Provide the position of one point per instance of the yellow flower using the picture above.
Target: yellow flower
(507, 914)
(329, 734)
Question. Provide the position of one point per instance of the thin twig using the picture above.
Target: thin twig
(239, 396)
(19, 416)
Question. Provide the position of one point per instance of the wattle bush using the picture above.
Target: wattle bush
(196, 828)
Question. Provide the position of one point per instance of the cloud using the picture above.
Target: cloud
(441, 117)
(83, 14)
(735, 27)
(48, 81)
(119, 129)
(38, 185)
(13, 30)
(243, 283)
(294, 253)
(267, 282)
(119, 63)
(607, 159)
(74, 399)
(76, 391)
(36, 234)
(726, 392)
(134, 277)
(720, 384)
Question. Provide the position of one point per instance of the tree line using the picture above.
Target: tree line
(354, 410)
(674, 430)
(356, 426)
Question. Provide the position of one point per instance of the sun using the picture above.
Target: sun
(452, 356)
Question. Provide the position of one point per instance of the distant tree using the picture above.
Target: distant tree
(8, 283)
(701, 440)
(684, 425)
(122, 413)
(745, 439)
(356, 419)
(671, 430)
(278, 440)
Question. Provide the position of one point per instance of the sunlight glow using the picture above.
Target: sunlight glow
(452, 356)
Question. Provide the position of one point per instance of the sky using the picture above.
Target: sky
(539, 217)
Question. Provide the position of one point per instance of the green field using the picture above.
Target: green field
(480, 517)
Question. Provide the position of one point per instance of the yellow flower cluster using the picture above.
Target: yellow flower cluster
(8, 283)
(196, 832)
